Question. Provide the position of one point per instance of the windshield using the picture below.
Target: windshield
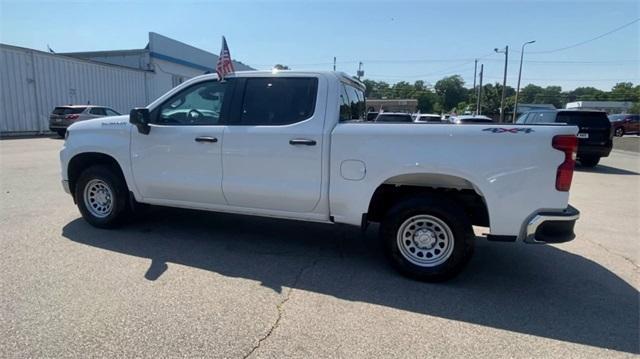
(475, 120)
(584, 118)
(429, 118)
(394, 118)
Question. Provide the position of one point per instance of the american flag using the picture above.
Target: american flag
(224, 65)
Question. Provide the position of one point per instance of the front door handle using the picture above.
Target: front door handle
(302, 141)
(206, 139)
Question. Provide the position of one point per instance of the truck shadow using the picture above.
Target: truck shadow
(606, 170)
(536, 290)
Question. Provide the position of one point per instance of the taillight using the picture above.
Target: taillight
(569, 145)
(71, 117)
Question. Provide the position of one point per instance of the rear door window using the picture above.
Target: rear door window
(111, 112)
(277, 101)
(345, 105)
(357, 103)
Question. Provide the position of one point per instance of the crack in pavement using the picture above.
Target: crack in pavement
(280, 308)
(614, 253)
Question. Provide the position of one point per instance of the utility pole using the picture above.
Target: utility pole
(334, 63)
(504, 80)
(479, 103)
(515, 106)
(475, 70)
(360, 72)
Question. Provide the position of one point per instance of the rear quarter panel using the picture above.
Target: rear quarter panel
(512, 167)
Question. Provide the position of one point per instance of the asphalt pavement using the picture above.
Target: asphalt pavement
(180, 283)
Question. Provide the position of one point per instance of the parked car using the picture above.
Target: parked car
(594, 136)
(427, 118)
(371, 116)
(63, 116)
(470, 119)
(393, 117)
(625, 124)
(293, 145)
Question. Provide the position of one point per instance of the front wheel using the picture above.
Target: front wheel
(589, 161)
(61, 133)
(428, 239)
(102, 196)
(619, 132)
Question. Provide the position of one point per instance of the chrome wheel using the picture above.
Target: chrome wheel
(425, 240)
(619, 132)
(98, 198)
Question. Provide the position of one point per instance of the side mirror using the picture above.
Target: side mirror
(140, 117)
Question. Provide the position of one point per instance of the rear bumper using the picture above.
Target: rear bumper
(552, 227)
(59, 125)
(595, 150)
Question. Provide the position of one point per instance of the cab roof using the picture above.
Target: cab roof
(285, 73)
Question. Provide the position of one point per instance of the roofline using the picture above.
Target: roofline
(281, 73)
(20, 48)
(104, 53)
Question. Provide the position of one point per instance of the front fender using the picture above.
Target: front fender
(110, 136)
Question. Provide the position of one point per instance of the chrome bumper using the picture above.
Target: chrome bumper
(552, 227)
(65, 186)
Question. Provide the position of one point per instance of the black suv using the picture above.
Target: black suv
(594, 134)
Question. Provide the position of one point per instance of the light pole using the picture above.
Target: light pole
(479, 99)
(504, 80)
(515, 106)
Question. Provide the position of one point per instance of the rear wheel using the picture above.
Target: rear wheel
(102, 196)
(428, 239)
(619, 132)
(590, 161)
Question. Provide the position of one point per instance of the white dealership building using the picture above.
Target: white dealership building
(33, 83)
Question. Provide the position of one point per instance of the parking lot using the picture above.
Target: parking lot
(180, 283)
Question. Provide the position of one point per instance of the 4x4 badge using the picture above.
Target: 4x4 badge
(509, 130)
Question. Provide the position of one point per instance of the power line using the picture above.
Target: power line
(563, 79)
(467, 60)
(585, 41)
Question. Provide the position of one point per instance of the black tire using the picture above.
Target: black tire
(445, 211)
(119, 196)
(619, 132)
(61, 133)
(590, 161)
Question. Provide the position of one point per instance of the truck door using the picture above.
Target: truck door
(180, 161)
(272, 148)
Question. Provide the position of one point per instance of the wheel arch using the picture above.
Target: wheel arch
(408, 185)
(82, 161)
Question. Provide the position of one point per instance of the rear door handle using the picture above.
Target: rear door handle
(206, 139)
(302, 141)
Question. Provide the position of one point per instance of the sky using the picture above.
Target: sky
(396, 41)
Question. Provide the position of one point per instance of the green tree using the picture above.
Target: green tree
(624, 91)
(451, 91)
(428, 102)
(528, 93)
(586, 94)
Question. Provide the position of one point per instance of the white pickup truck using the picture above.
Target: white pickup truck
(295, 145)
